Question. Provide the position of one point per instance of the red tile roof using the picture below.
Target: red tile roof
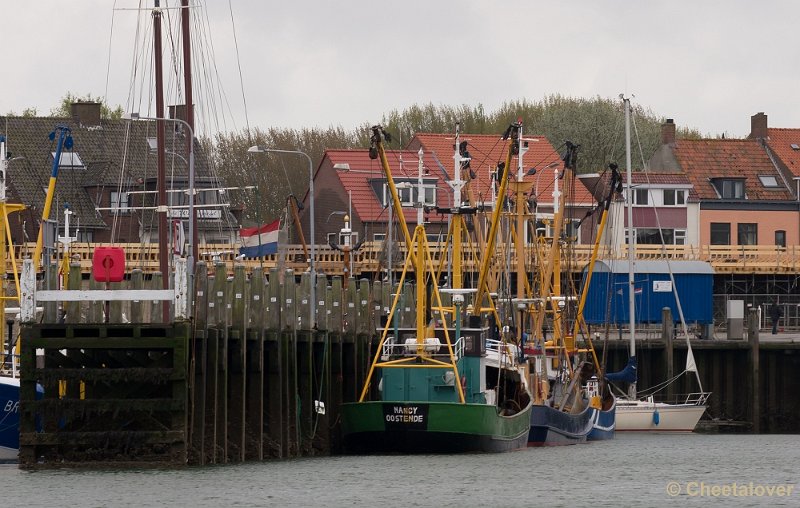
(363, 170)
(487, 150)
(781, 141)
(706, 159)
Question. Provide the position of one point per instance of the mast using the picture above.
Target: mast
(163, 260)
(457, 183)
(631, 240)
(189, 107)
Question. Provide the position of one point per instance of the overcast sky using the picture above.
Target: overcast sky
(710, 65)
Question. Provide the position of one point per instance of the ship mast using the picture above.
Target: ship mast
(631, 240)
(163, 260)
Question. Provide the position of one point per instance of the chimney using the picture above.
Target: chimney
(668, 132)
(87, 114)
(178, 111)
(758, 126)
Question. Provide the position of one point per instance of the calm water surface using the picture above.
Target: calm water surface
(629, 471)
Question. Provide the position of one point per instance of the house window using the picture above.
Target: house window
(69, 160)
(780, 238)
(730, 188)
(651, 236)
(748, 233)
(720, 233)
(674, 197)
(85, 236)
(405, 193)
(120, 202)
(640, 196)
(379, 237)
(769, 181)
(331, 237)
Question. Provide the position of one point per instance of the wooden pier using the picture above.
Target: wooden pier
(249, 378)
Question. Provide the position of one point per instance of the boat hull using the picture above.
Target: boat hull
(640, 417)
(9, 421)
(604, 424)
(551, 427)
(431, 427)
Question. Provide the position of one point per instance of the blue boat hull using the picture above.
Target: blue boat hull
(551, 427)
(9, 421)
(9, 417)
(604, 425)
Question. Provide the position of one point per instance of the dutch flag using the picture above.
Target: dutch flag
(259, 241)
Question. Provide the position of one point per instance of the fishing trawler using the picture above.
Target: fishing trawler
(440, 387)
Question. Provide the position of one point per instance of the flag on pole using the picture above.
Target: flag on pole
(259, 241)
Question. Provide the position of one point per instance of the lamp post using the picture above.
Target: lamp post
(262, 149)
(192, 244)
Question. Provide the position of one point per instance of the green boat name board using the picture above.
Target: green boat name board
(405, 416)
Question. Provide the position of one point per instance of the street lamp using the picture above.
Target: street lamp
(262, 149)
(190, 256)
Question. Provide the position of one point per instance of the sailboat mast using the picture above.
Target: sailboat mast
(187, 85)
(163, 262)
(631, 239)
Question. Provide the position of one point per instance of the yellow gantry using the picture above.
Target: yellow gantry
(419, 258)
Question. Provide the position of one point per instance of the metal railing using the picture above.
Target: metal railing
(370, 258)
(392, 349)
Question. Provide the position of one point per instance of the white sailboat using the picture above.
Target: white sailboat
(647, 415)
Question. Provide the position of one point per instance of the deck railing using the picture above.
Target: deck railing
(371, 257)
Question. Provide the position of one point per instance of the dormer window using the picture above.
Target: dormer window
(769, 181)
(407, 190)
(729, 188)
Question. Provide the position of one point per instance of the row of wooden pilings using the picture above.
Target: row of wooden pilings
(248, 378)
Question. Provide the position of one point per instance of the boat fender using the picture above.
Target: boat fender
(656, 417)
(463, 382)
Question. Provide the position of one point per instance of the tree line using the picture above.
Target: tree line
(597, 124)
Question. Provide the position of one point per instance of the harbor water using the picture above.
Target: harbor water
(632, 470)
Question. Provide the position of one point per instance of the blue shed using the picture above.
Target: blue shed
(608, 294)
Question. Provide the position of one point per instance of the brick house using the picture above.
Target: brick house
(744, 196)
(106, 178)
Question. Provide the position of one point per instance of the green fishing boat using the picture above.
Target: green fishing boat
(438, 387)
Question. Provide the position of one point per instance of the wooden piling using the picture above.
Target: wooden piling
(753, 360)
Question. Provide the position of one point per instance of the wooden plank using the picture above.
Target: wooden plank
(137, 284)
(334, 299)
(256, 299)
(274, 302)
(304, 303)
